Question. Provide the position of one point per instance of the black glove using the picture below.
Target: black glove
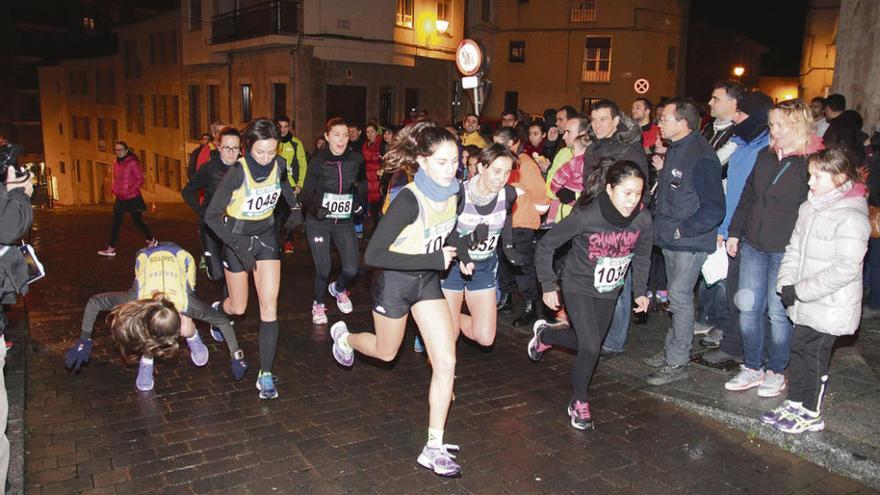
(246, 259)
(322, 213)
(479, 235)
(512, 255)
(789, 295)
(566, 196)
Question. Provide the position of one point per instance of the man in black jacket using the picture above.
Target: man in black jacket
(16, 216)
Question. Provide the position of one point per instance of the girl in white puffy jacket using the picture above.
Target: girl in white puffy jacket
(820, 282)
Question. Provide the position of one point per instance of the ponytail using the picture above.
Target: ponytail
(418, 139)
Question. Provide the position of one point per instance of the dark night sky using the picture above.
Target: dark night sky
(776, 24)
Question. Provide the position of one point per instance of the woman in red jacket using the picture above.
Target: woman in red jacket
(372, 151)
(127, 181)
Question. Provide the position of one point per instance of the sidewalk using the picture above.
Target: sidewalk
(850, 444)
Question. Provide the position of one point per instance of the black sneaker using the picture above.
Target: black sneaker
(505, 305)
(579, 412)
(668, 374)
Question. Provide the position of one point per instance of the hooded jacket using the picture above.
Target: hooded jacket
(824, 260)
(624, 144)
(372, 153)
(127, 177)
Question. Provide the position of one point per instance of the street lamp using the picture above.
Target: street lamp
(739, 70)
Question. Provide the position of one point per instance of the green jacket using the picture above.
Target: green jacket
(294, 153)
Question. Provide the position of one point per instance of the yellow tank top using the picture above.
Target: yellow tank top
(427, 234)
(255, 200)
(165, 268)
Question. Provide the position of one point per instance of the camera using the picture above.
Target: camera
(9, 154)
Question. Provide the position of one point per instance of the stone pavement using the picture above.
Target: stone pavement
(334, 430)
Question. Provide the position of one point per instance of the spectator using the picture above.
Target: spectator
(688, 209)
(471, 133)
(844, 129)
(817, 109)
(641, 114)
(204, 140)
(553, 144)
(128, 177)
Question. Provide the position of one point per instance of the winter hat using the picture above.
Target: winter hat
(755, 104)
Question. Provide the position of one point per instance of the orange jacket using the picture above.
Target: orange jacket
(529, 183)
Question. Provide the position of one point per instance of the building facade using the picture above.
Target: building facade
(235, 60)
(820, 48)
(547, 53)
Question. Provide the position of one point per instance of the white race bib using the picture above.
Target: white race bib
(259, 200)
(436, 235)
(340, 205)
(485, 249)
(610, 272)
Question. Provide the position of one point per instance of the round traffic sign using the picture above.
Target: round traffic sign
(468, 57)
(641, 86)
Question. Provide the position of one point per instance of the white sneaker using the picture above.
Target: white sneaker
(343, 301)
(747, 378)
(319, 314)
(702, 328)
(110, 251)
(774, 384)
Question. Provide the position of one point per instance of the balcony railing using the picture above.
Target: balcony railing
(272, 17)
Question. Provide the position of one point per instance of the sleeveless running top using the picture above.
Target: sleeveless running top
(469, 218)
(255, 200)
(165, 268)
(428, 232)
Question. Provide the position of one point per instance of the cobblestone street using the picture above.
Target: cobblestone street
(334, 430)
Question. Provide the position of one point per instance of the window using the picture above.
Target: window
(511, 100)
(597, 59)
(404, 13)
(175, 179)
(60, 129)
(163, 48)
(247, 100)
(517, 52)
(279, 99)
(583, 11)
(76, 169)
(157, 163)
(195, 113)
(195, 15)
(386, 105)
(159, 119)
(139, 116)
(88, 23)
(587, 104)
(61, 168)
(172, 111)
(74, 126)
(444, 13)
(79, 83)
(102, 134)
(105, 87)
(131, 59)
(486, 11)
(86, 128)
(213, 102)
(411, 99)
(670, 57)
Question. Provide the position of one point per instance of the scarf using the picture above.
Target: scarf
(476, 197)
(434, 191)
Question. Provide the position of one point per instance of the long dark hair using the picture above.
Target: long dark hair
(608, 172)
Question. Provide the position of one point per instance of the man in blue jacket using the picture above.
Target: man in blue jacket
(688, 209)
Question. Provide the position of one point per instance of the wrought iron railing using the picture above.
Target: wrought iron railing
(272, 17)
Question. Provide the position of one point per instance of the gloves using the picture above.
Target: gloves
(321, 213)
(247, 259)
(566, 196)
(512, 255)
(239, 365)
(479, 235)
(789, 295)
(79, 354)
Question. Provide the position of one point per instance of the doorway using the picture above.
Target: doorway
(348, 102)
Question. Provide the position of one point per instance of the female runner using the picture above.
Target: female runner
(408, 247)
(329, 196)
(608, 230)
(159, 308)
(241, 214)
(484, 220)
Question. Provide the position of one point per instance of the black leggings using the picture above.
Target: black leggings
(591, 317)
(132, 206)
(320, 233)
(213, 250)
(808, 367)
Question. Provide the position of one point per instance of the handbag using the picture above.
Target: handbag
(874, 219)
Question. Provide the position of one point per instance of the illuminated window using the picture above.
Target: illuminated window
(583, 10)
(88, 23)
(404, 13)
(597, 59)
(517, 54)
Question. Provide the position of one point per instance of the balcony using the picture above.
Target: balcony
(265, 19)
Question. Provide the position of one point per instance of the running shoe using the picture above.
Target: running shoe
(319, 314)
(418, 345)
(343, 301)
(773, 385)
(343, 357)
(266, 385)
(747, 378)
(288, 247)
(536, 347)
(579, 412)
(109, 251)
(440, 460)
(144, 380)
(216, 334)
(197, 351)
(788, 407)
(799, 422)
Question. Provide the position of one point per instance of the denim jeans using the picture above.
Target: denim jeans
(872, 273)
(758, 271)
(616, 337)
(713, 304)
(682, 272)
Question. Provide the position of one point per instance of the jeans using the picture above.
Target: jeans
(731, 341)
(872, 273)
(682, 272)
(713, 304)
(616, 338)
(758, 271)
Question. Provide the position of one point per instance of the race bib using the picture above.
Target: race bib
(436, 235)
(260, 200)
(610, 272)
(340, 205)
(485, 249)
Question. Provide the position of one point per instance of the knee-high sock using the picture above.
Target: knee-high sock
(268, 342)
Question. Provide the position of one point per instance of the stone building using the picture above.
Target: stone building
(819, 49)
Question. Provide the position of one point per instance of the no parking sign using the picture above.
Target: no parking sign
(641, 86)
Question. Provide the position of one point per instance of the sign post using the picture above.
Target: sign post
(469, 60)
